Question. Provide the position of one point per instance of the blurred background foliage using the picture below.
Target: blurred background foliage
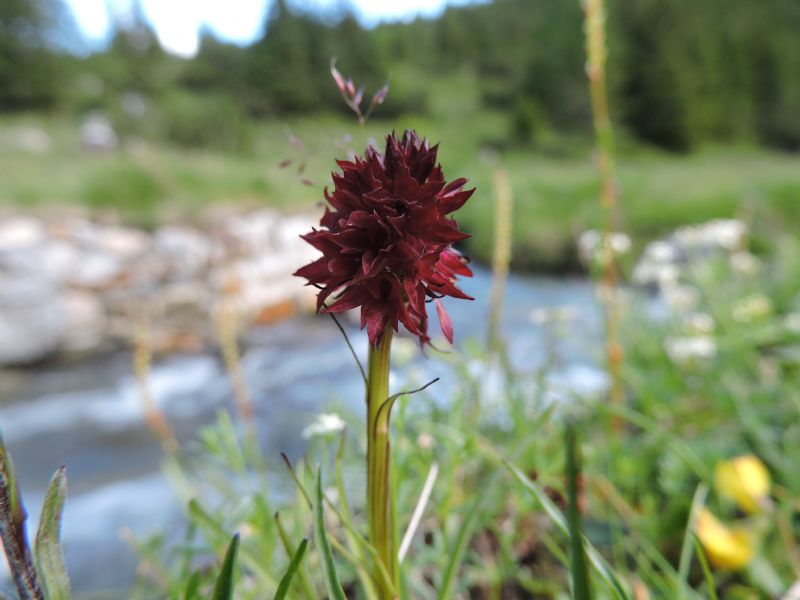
(684, 73)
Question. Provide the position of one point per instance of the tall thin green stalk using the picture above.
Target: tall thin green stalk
(596, 73)
(379, 500)
(501, 254)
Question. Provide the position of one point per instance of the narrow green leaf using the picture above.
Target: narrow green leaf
(47, 555)
(709, 576)
(446, 590)
(598, 562)
(296, 479)
(353, 538)
(305, 579)
(581, 587)
(214, 528)
(193, 586)
(283, 587)
(334, 587)
(698, 501)
(223, 589)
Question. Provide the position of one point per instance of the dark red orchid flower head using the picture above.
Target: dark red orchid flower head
(386, 239)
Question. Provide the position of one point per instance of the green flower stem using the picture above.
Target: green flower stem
(379, 499)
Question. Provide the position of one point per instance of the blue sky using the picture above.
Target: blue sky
(177, 22)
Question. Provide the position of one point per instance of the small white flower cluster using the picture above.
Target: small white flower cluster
(663, 266)
(658, 265)
(752, 308)
(661, 262)
(792, 322)
(591, 245)
(745, 263)
(691, 349)
(543, 315)
(326, 424)
(699, 323)
(724, 234)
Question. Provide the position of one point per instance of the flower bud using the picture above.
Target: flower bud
(745, 480)
(727, 548)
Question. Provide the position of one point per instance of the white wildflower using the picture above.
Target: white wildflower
(744, 263)
(699, 323)
(591, 244)
(324, 425)
(553, 314)
(728, 234)
(425, 441)
(588, 242)
(792, 322)
(681, 297)
(661, 251)
(667, 276)
(661, 274)
(687, 350)
(620, 242)
(752, 308)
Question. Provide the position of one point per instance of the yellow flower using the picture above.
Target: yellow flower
(745, 480)
(726, 548)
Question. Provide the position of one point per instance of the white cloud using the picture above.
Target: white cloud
(178, 22)
(92, 17)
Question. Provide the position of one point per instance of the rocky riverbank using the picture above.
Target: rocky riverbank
(70, 286)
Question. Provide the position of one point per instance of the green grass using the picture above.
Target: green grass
(555, 197)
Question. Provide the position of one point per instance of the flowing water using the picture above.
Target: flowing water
(89, 416)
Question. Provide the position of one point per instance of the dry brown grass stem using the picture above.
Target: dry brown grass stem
(142, 362)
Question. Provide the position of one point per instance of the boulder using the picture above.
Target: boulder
(84, 322)
(31, 319)
(97, 134)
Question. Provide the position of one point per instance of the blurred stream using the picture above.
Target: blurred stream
(88, 416)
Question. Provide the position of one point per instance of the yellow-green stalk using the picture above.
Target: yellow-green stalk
(596, 73)
(501, 256)
(379, 500)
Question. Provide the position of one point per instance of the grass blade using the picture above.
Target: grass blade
(581, 586)
(223, 589)
(687, 547)
(332, 584)
(457, 554)
(598, 562)
(354, 540)
(47, 555)
(709, 576)
(305, 580)
(192, 586)
(283, 587)
(416, 517)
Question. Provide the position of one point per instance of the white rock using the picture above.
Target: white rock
(123, 242)
(58, 261)
(256, 232)
(20, 233)
(33, 140)
(31, 320)
(85, 319)
(98, 134)
(187, 250)
(95, 270)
